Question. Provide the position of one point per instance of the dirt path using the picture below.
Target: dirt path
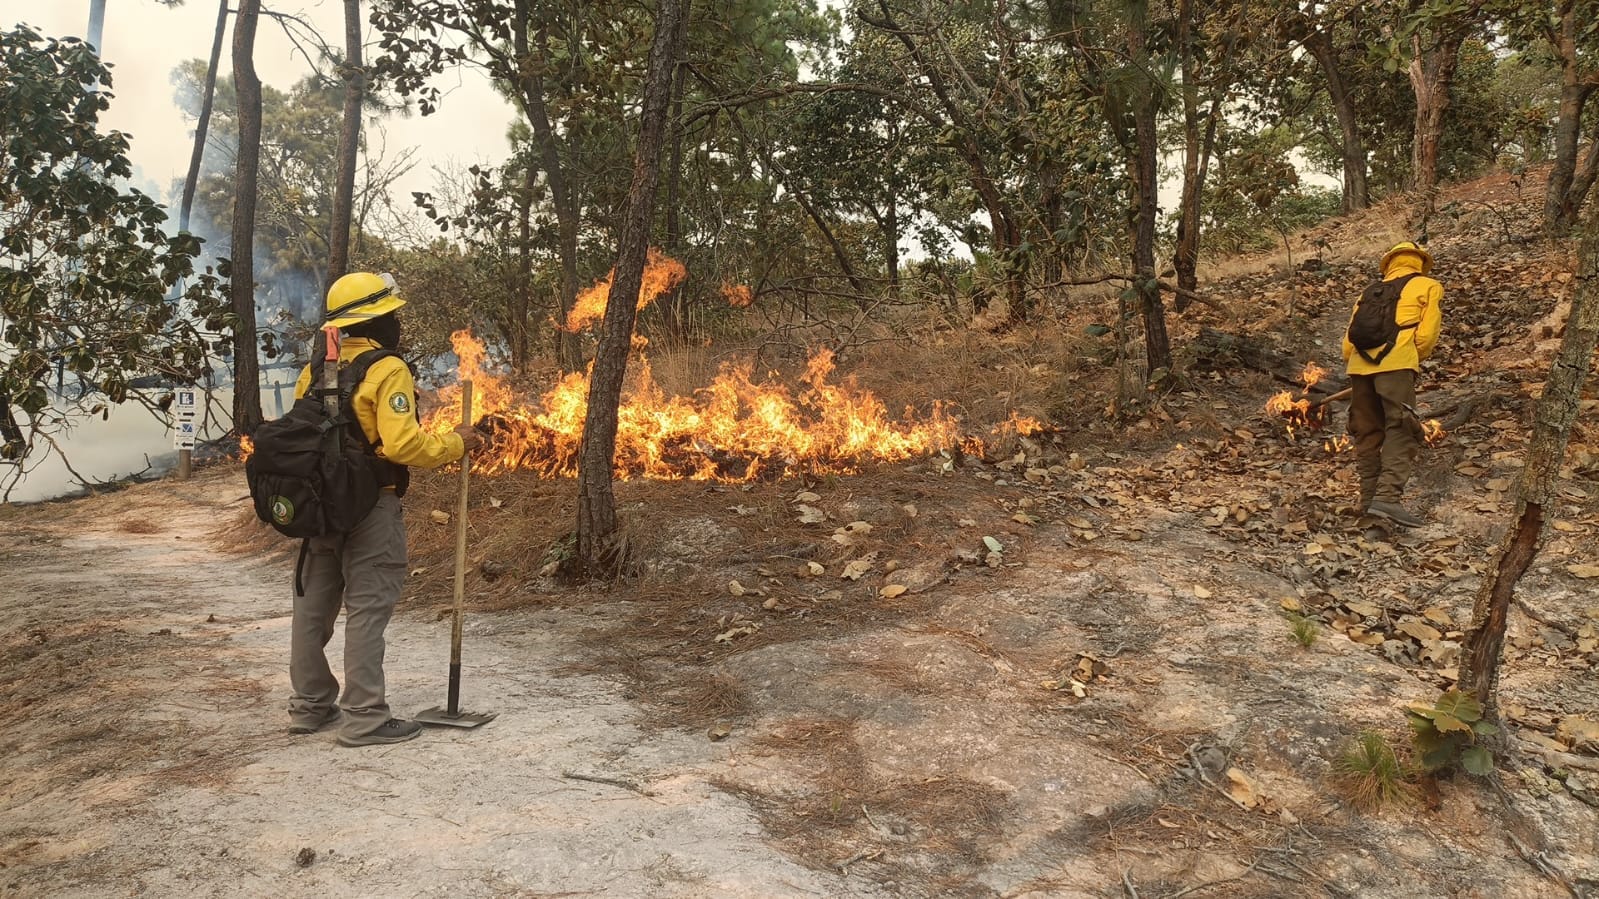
(920, 746)
(145, 752)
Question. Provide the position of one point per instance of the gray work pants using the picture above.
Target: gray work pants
(363, 571)
(1386, 433)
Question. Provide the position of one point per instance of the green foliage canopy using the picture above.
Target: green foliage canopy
(86, 267)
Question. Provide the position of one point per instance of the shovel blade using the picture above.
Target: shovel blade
(438, 716)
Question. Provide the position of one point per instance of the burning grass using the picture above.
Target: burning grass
(736, 428)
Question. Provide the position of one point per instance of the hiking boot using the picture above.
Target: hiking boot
(1394, 513)
(394, 730)
(313, 724)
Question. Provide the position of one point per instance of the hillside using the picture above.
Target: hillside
(1110, 704)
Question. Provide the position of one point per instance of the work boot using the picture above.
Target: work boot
(394, 730)
(312, 724)
(1394, 513)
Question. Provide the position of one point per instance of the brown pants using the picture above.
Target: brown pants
(1386, 433)
(362, 571)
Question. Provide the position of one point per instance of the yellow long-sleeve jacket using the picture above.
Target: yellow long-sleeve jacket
(1419, 304)
(385, 406)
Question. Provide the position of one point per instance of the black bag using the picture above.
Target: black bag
(1375, 329)
(315, 475)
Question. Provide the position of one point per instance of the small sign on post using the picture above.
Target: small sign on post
(184, 433)
(186, 403)
(185, 427)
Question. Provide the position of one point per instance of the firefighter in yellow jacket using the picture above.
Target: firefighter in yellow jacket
(1382, 415)
(363, 570)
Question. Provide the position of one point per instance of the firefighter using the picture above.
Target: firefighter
(363, 570)
(1393, 328)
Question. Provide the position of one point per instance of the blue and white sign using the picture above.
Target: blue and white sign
(184, 433)
(186, 403)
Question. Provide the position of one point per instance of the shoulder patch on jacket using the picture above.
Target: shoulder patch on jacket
(400, 403)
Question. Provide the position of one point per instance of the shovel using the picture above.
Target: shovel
(450, 715)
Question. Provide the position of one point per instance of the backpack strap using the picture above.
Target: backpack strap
(350, 378)
(389, 474)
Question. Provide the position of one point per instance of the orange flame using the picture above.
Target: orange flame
(661, 274)
(1337, 444)
(738, 296)
(1312, 374)
(246, 448)
(1433, 432)
(1018, 424)
(1298, 412)
(733, 429)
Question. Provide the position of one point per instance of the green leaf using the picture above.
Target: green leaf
(1484, 728)
(1450, 724)
(1477, 761)
(1460, 705)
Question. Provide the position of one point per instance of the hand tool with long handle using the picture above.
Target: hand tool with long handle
(451, 715)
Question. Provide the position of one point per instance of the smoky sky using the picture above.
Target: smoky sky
(145, 41)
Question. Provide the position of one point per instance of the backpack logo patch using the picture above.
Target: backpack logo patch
(400, 403)
(282, 510)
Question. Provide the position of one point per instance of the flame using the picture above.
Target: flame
(1336, 445)
(738, 296)
(1312, 374)
(246, 448)
(1433, 432)
(1299, 413)
(1018, 424)
(733, 429)
(661, 274)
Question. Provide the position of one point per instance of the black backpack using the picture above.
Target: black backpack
(1375, 328)
(313, 475)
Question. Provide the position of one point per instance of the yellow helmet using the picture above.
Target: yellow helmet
(1407, 247)
(362, 296)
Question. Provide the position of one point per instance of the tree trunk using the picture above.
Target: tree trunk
(349, 144)
(522, 292)
(891, 244)
(1005, 235)
(839, 254)
(96, 31)
(597, 550)
(567, 208)
(246, 364)
(1562, 201)
(674, 311)
(202, 126)
(1535, 489)
(1356, 194)
(1431, 72)
(1144, 173)
(1146, 181)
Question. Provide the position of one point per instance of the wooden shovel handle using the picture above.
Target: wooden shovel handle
(460, 556)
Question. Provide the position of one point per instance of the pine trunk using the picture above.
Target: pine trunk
(246, 363)
(202, 126)
(349, 144)
(545, 141)
(1535, 489)
(598, 553)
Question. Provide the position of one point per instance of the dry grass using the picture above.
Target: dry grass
(137, 526)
